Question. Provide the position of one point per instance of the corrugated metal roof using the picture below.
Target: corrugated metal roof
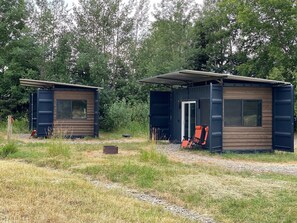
(48, 84)
(185, 77)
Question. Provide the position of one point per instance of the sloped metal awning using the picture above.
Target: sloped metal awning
(51, 84)
(186, 77)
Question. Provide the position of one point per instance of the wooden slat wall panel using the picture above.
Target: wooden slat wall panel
(241, 138)
(76, 127)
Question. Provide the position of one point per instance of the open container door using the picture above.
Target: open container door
(283, 118)
(160, 115)
(45, 106)
(33, 111)
(215, 143)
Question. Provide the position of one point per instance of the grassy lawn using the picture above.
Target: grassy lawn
(32, 194)
(225, 195)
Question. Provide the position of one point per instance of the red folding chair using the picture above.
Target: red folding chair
(199, 138)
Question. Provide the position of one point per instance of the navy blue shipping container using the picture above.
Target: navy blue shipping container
(65, 110)
(243, 113)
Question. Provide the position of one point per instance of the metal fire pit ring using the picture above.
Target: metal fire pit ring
(110, 150)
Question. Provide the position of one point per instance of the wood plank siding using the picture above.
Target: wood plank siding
(75, 127)
(250, 138)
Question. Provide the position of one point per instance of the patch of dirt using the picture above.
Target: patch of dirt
(174, 152)
(100, 154)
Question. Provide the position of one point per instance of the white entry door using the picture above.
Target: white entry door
(188, 119)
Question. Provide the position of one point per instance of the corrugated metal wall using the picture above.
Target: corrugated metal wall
(186, 94)
(160, 107)
(283, 118)
(33, 112)
(216, 118)
(96, 113)
(45, 106)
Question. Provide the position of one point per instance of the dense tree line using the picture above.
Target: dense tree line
(114, 43)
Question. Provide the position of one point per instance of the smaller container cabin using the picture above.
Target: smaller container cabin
(63, 109)
(243, 113)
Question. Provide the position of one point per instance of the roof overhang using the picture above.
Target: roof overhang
(51, 84)
(187, 77)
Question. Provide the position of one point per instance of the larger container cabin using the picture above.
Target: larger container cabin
(63, 109)
(243, 113)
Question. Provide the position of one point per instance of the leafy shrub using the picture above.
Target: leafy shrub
(58, 148)
(118, 115)
(21, 125)
(8, 149)
(123, 115)
(140, 113)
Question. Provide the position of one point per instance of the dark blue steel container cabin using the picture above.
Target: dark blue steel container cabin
(63, 109)
(243, 113)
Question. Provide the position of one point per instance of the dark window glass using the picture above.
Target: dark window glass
(243, 113)
(71, 109)
(252, 111)
(79, 109)
(64, 109)
(232, 113)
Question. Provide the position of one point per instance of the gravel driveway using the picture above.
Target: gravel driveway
(174, 152)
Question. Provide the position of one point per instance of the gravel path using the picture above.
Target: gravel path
(173, 151)
(154, 200)
(149, 198)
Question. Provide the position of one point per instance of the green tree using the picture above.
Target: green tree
(168, 43)
(255, 37)
(50, 24)
(18, 57)
(215, 40)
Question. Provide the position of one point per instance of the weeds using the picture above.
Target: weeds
(54, 163)
(20, 125)
(9, 148)
(58, 148)
(153, 156)
(143, 176)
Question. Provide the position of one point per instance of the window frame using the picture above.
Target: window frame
(259, 119)
(71, 107)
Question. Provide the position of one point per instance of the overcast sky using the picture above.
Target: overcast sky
(69, 2)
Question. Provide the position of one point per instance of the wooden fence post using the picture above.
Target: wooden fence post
(9, 127)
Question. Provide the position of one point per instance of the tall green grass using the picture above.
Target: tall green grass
(128, 172)
(153, 156)
(58, 148)
(20, 125)
(7, 149)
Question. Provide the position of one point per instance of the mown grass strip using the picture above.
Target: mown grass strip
(31, 194)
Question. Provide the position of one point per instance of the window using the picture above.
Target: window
(233, 113)
(247, 113)
(71, 109)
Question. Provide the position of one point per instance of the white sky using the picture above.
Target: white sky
(69, 2)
